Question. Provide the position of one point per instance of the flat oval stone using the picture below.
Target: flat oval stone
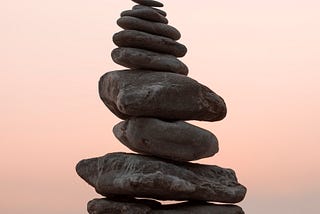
(164, 95)
(147, 14)
(137, 7)
(138, 39)
(178, 140)
(157, 28)
(150, 3)
(131, 175)
(143, 59)
(138, 206)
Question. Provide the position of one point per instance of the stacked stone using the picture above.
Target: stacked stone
(155, 97)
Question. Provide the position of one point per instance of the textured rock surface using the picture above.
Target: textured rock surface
(148, 177)
(147, 14)
(172, 140)
(150, 3)
(138, 7)
(157, 28)
(106, 206)
(163, 95)
(138, 39)
(143, 59)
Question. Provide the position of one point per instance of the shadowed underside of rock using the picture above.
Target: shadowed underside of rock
(121, 174)
(164, 95)
(134, 206)
(179, 140)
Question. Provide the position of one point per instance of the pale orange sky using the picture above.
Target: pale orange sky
(262, 57)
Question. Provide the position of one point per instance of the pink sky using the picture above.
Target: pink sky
(262, 57)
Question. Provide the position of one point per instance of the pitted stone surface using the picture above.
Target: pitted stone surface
(178, 140)
(163, 95)
(157, 28)
(147, 41)
(150, 3)
(147, 14)
(143, 59)
(121, 174)
(137, 7)
(106, 206)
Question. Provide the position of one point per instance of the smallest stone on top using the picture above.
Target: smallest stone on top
(149, 3)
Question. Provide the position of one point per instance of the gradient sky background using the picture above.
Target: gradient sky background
(262, 57)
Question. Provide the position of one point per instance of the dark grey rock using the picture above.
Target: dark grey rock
(163, 95)
(134, 206)
(147, 14)
(179, 140)
(137, 7)
(150, 3)
(142, 40)
(143, 59)
(157, 28)
(121, 174)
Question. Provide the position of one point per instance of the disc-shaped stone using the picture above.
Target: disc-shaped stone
(178, 140)
(135, 206)
(164, 95)
(143, 59)
(138, 39)
(150, 3)
(137, 7)
(157, 28)
(121, 174)
(147, 14)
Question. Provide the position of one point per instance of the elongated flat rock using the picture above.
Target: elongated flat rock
(163, 95)
(157, 28)
(143, 59)
(137, 7)
(134, 206)
(150, 3)
(121, 174)
(147, 41)
(147, 14)
(178, 140)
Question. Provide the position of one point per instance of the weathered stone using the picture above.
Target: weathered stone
(137, 7)
(157, 28)
(179, 140)
(164, 95)
(144, 59)
(150, 3)
(147, 14)
(133, 175)
(142, 40)
(134, 206)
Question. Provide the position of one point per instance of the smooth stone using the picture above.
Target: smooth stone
(164, 95)
(147, 14)
(143, 59)
(135, 206)
(121, 174)
(138, 39)
(156, 28)
(150, 3)
(137, 7)
(178, 140)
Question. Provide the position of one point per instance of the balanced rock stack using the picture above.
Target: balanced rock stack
(154, 97)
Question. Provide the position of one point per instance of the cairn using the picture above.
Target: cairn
(154, 97)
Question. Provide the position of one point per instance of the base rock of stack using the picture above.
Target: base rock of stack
(121, 174)
(164, 95)
(134, 206)
(178, 141)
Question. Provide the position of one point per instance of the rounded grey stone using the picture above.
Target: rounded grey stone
(150, 3)
(138, 39)
(164, 95)
(143, 59)
(178, 140)
(137, 7)
(157, 28)
(147, 14)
